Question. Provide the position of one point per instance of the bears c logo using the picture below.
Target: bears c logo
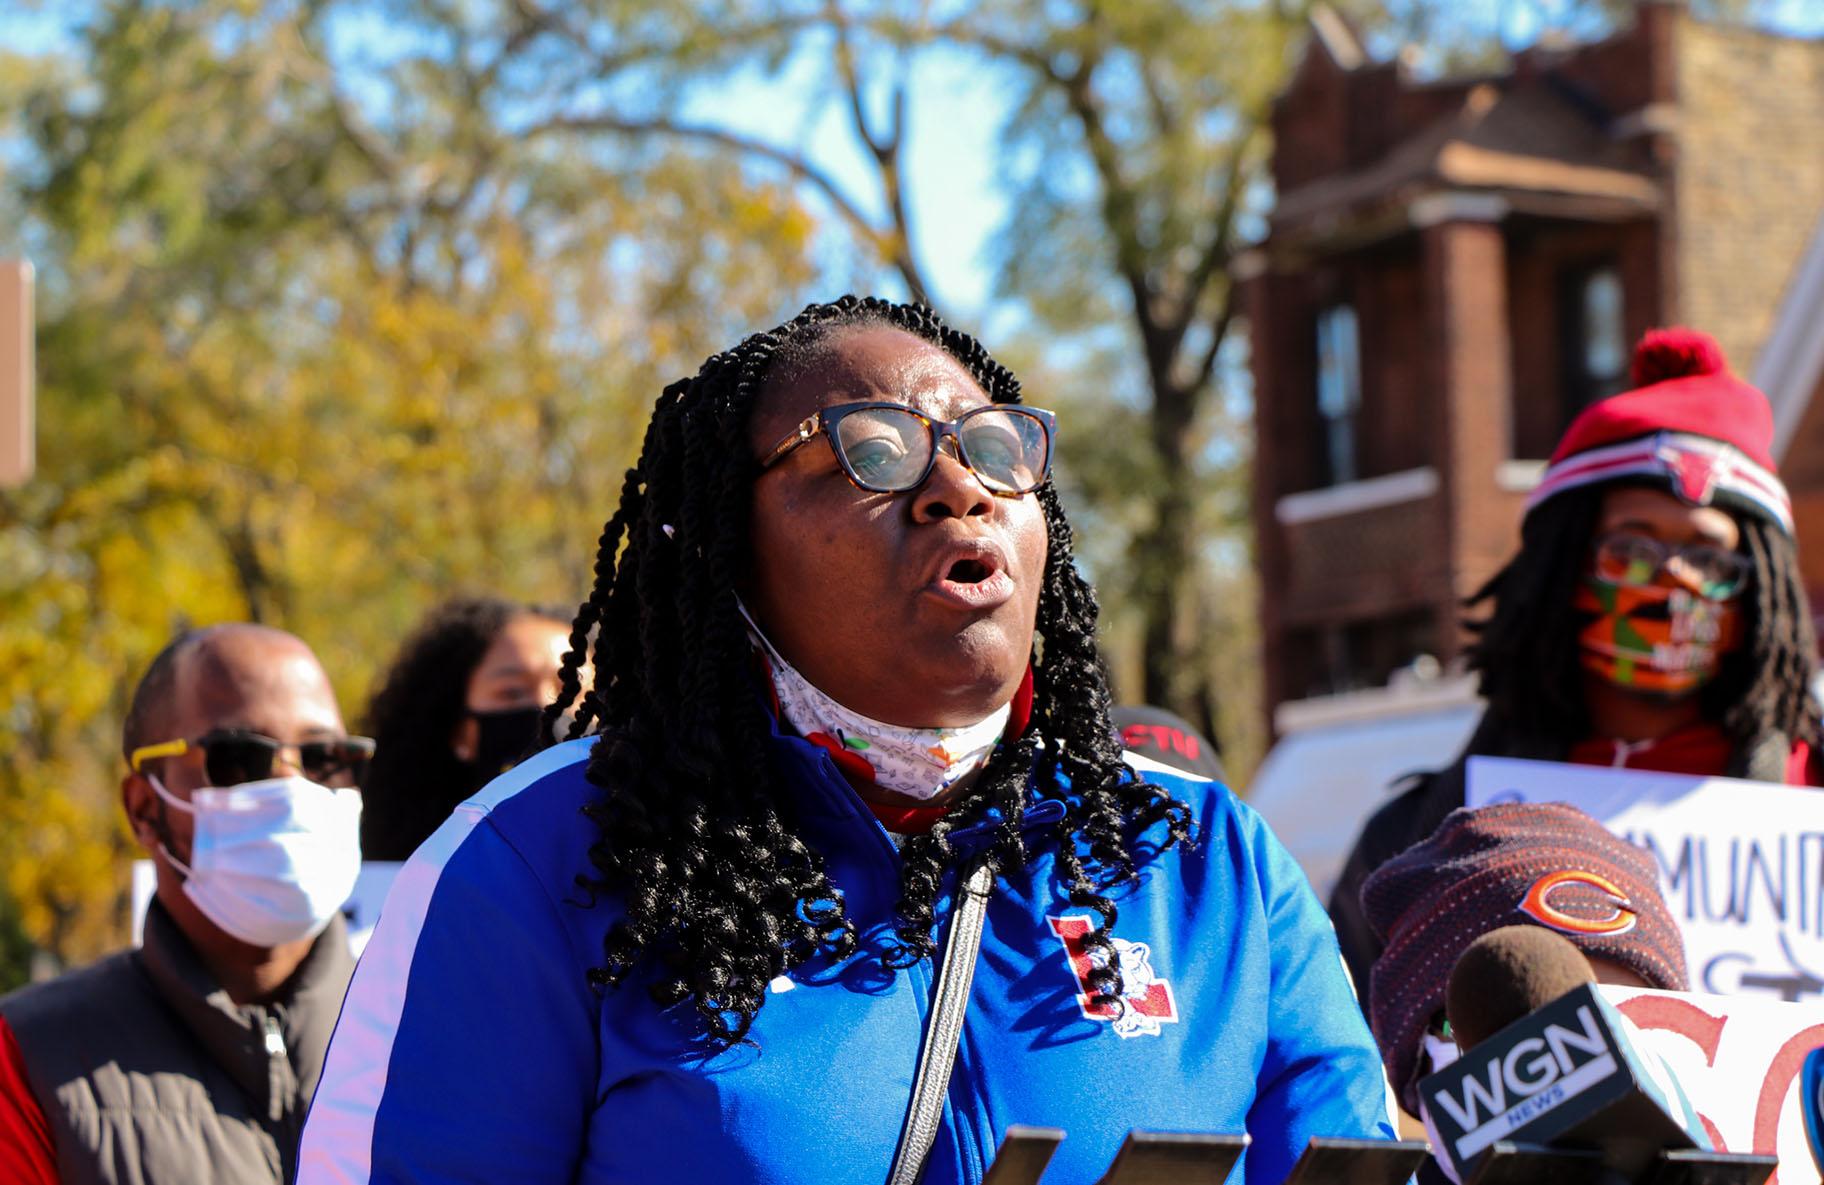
(1146, 997)
(1537, 904)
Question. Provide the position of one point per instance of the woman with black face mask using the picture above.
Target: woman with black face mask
(459, 704)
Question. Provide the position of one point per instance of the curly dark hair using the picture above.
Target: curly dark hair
(696, 830)
(1525, 649)
(416, 780)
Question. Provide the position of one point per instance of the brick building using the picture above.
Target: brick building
(1455, 267)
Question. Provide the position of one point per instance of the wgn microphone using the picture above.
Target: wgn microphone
(1505, 974)
(1547, 1061)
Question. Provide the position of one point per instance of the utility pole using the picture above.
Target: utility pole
(18, 449)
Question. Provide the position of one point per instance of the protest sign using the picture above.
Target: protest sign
(362, 909)
(1737, 1059)
(1741, 864)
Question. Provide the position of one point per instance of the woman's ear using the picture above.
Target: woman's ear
(465, 738)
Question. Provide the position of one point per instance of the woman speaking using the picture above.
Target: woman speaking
(850, 876)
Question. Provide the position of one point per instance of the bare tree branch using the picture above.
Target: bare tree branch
(794, 163)
(607, 64)
(886, 151)
(1216, 255)
(851, 84)
(1165, 119)
(1120, 213)
(965, 34)
(893, 179)
(1219, 333)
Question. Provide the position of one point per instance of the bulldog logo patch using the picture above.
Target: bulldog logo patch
(1146, 996)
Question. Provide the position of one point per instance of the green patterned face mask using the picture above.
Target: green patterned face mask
(1656, 638)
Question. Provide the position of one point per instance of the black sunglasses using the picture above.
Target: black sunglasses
(887, 448)
(232, 756)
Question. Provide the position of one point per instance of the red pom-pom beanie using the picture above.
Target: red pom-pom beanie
(1689, 426)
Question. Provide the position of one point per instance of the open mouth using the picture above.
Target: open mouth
(974, 578)
(969, 572)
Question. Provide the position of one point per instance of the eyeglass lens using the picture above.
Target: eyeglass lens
(233, 760)
(1635, 560)
(889, 449)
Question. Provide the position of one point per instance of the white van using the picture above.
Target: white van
(1338, 757)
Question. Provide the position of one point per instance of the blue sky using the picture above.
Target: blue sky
(956, 111)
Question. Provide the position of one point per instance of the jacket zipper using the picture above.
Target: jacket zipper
(281, 1084)
(277, 1073)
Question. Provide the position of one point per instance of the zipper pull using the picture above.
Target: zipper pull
(275, 1040)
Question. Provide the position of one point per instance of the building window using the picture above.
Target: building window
(1593, 342)
(1339, 390)
(1359, 654)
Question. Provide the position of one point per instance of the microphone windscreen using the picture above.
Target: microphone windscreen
(1506, 974)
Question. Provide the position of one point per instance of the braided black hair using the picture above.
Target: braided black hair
(416, 779)
(696, 833)
(1525, 649)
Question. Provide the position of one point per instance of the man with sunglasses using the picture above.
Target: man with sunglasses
(192, 1058)
(1654, 617)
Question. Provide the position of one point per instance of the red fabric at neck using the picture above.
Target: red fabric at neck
(1021, 715)
(906, 820)
(1702, 750)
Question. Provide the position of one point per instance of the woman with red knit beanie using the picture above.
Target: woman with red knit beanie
(1653, 617)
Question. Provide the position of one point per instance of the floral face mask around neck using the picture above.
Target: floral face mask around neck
(921, 763)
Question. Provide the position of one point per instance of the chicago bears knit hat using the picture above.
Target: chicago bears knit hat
(1541, 864)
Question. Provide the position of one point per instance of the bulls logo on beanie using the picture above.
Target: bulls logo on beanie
(1536, 864)
(1688, 426)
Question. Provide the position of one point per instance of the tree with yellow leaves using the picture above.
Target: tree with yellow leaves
(302, 369)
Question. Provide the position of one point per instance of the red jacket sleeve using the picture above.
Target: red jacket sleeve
(26, 1153)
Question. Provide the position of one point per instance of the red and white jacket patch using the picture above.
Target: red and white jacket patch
(1146, 997)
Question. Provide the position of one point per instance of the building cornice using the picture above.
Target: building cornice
(1654, 119)
(1354, 497)
(1456, 205)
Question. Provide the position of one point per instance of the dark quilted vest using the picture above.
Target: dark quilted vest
(150, 1075)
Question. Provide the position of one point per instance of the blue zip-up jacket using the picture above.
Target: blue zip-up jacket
(471, 1047)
